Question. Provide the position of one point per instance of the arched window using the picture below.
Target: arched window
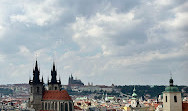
(52, 105)
(175, 98)
(42, 106)
(62, 108)
(56, 106)
(48, 106)
(66, 107)
(166, 98)
(70, 106)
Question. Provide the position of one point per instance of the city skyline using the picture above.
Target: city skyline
(104, 42)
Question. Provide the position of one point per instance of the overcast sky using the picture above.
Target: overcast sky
(101, 41)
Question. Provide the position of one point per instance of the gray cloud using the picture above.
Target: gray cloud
(120, 42)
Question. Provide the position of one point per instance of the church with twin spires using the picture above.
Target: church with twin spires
(53, 99)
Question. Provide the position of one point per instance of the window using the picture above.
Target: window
(175, 98)
(52, 105)
(62, 108)
(166, 98)
(42, 105)
(45, 105)
(70, 106)
(56, 106)
(55, 88)
(37, 89)
(48, 106)
(31, 89)
(66, 107)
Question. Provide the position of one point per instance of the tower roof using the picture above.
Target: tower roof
(171, 87)
(36, 75)
(134, 95)
(54, 76)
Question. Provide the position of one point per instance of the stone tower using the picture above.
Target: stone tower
(172, 100)
(36, 89)
(54, 84)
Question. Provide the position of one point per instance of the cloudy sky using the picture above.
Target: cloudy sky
(101, 41)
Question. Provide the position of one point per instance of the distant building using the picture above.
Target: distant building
(75, 82)
(53, 99)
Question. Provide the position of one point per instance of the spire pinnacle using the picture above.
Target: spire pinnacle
(171, 81)
(53, 74)
(134, 95)
(53, 66)
(36, 64)
(42, 80)
(134, 90)
(36, 73)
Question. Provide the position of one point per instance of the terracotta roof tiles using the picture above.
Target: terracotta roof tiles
(56, 95)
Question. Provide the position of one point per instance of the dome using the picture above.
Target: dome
(171, 89)
(134, 95)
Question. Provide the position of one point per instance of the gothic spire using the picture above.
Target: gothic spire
(53, 74)
(36, 74)
(53, 66)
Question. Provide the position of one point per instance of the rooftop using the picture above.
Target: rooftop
(56, 95)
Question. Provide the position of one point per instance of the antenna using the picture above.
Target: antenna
(170, 74)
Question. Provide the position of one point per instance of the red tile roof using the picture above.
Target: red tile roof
(184, 106)
(155, 105)
(77, 108)
(56, 95)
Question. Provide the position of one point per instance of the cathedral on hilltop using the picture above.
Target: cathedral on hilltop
(53, 99)
(75, 82)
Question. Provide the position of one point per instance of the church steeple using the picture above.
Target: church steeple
(36, 89)
(172, 100)
(134, 95)
(36, 74)
(53, 74)
(54, 84)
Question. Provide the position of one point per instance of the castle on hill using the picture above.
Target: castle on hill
(74, 82)
(53, 99)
